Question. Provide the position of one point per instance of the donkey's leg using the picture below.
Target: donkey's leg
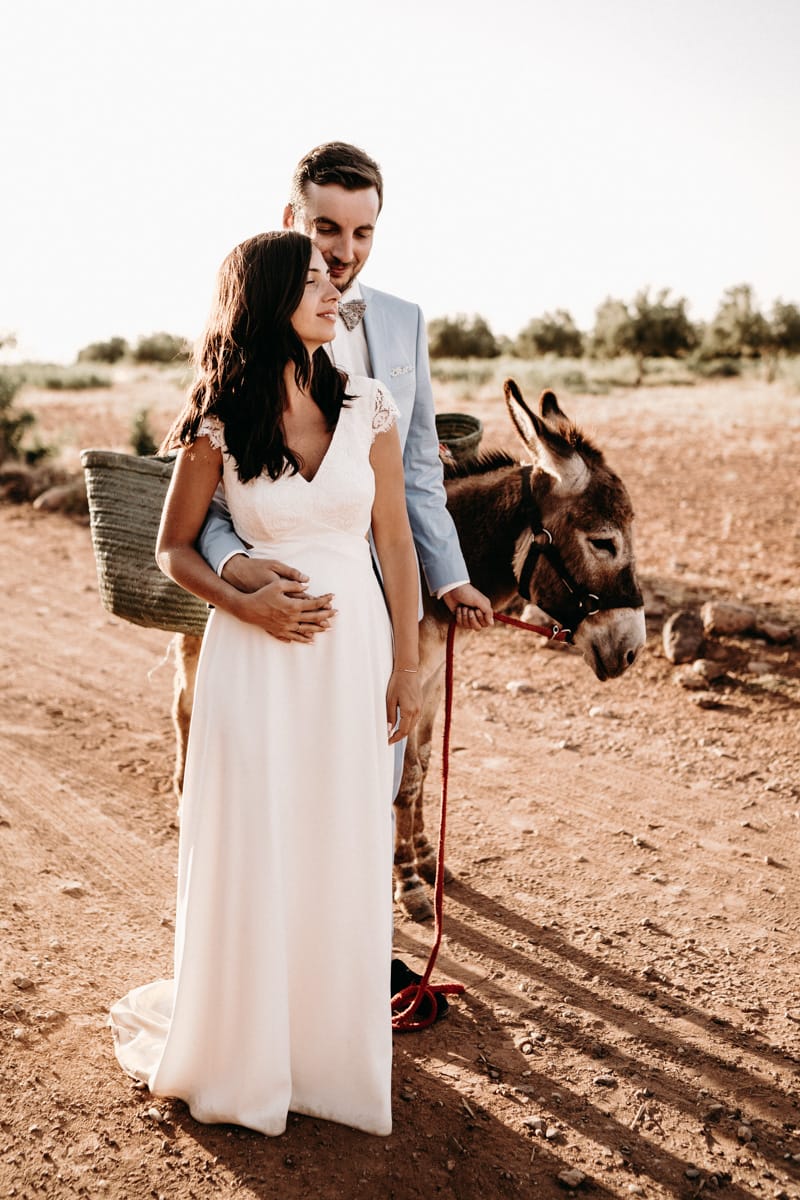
(425, 854)
(187, 652)
(409, 890)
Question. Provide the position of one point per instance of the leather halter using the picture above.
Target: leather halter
(581, 602)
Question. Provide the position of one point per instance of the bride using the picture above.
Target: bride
(283, 927)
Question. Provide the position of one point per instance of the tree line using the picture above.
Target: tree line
(656, 326)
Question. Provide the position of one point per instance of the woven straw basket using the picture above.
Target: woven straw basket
(460, 433)
(126, 495)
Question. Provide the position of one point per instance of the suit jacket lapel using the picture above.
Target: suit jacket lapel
(376, 334)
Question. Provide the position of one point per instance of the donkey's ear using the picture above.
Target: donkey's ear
(527, 423)
(552, 451)
(550, 410)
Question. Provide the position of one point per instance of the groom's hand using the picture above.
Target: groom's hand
(277, 600)
(472, 609)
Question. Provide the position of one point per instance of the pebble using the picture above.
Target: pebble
(707, 700)
(721, 617)
(773, 631)
(706, 668)
(744, 1133)
(690, 680)
(155, 1114)
(607, 1081)
(571, 1178)
(519, 687)
(23, 983)
(73, 888)
(692, 1173)
(682, 636)
(551, 1133)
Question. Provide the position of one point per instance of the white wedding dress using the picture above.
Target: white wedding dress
(280, 997)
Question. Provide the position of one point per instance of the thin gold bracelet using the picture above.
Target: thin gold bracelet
(408, 670)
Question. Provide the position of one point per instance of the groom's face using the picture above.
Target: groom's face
(340, 223)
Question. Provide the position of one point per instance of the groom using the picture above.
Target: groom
(336, 197)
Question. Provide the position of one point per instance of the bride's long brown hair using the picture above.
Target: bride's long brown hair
(240, 358)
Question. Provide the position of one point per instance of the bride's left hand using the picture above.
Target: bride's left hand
(403, 700)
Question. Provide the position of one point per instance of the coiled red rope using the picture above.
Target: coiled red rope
(406, 1003)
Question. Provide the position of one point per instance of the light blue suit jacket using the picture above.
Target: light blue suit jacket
(398, 351)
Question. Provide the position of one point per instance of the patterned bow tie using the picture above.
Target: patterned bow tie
(351, 312)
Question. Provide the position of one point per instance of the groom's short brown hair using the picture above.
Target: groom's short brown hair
(335, 162)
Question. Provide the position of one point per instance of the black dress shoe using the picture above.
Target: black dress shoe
(402, 977)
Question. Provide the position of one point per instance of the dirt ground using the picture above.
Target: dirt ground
(625, 915)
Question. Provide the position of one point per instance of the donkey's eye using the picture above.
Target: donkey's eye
(604, 545)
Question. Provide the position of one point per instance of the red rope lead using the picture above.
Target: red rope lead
(406, 1002)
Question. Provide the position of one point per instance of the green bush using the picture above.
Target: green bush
(106, 352)
(142, 441)
(461, 337)
(718, 368)
(738, 330)
(14, 422)
(70, 380)
(162, 348)
(554, 333)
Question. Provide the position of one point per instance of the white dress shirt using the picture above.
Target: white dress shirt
(349, 350)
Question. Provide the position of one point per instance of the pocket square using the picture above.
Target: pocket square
(395, 371)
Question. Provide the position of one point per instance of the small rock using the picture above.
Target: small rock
(692, 1173)
(724, 618)
(682, 636)
(571, 1178)
(773, 631)
(73, 888)
(689, 679)
(155, 1114)
(23, 983)
(66, 497)
(537, 1124)
(519, 687)
(758, 667)
(706, 668)
(607, 1081)
(744, 1133)
(707, 700)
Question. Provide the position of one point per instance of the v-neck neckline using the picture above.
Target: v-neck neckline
(324, 458)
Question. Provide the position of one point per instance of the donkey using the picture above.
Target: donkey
(556, 530)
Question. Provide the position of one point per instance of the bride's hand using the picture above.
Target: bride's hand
(286, 612)
(403, 703)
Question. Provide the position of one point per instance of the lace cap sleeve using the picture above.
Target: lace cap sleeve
(385, 412)
(212, 428)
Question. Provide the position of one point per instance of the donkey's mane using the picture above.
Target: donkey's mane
(482, 464)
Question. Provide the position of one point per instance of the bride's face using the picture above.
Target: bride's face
(314, 319)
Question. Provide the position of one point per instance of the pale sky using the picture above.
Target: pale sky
(537, 155)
